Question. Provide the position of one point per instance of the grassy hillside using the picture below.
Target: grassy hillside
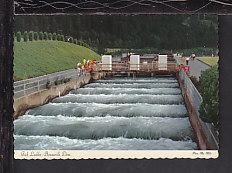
(210, 60)
(43, 57)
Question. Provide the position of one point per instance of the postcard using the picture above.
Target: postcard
(91, 87)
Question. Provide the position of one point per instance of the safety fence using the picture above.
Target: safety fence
(196, 100)
(145, 67)
(28, 86)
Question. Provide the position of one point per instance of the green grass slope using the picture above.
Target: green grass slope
(36, 58)
(209, 60)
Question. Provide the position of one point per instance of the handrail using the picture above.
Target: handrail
(28, 86)
(43, 76)
(154, 66)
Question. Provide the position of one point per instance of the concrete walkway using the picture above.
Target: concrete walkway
(196, 67)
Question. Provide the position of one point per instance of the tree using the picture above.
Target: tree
(36, 36)
(209, 89)
(45, 36)
(50, 36)
(31, 36)
(40, 35)
(54, 36)
(75, 41)
(58, 37)
(62, 38)
(18, 36)
(25, 36)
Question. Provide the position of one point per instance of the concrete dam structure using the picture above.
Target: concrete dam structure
(116, 107)
(115, 113)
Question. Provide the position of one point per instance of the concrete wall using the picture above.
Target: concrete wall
(22, 104)
(203, 135)
(193, 118)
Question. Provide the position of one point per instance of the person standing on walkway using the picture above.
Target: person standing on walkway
(193, 56)
(187, 60)
(79, 69)
(84, 61)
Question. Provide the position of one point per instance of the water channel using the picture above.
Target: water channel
(110, 114)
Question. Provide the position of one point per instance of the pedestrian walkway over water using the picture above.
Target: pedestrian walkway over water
(123, 67)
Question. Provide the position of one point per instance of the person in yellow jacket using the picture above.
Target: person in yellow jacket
(84, 61)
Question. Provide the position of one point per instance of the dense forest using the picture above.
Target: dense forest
(165, 32)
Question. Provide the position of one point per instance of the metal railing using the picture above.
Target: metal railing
(126, 67)
(28, 86)
(196, 99)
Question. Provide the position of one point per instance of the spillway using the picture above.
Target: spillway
(110, 114)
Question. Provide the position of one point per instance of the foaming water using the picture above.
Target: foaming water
(112, 114)
(122, 98)
(63, 143)
(117, 110)
(117, 91)
(100, 127)
(148, 81)
(154, 79)
(133, 85)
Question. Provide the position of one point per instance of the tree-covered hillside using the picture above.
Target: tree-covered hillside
(143, 31)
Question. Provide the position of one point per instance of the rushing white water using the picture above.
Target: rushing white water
(121, 98)
(148, 81)
(100, 127)
(117, 91)
(55, 142)
(134, 85)
(113, 114)
(144, 79)
(119, 110)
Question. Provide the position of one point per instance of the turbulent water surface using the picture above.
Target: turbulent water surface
(111, 114)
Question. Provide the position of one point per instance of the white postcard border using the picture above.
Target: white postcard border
(114, 154)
